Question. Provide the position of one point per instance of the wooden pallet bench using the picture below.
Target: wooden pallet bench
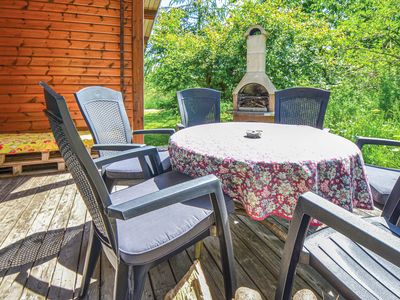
(32, 153)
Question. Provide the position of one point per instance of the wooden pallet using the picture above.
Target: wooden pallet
(30, 163)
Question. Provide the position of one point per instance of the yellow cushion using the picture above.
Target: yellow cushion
(34, 142)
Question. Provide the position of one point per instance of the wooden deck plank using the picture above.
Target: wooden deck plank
(319, 284)
(26, 225)
(39, 280)
(263, 252)
(180, 264)
(60, 225)
(7, 185)
(82, 252)
(94, 287)
(211, 272)
(12, 208)
(162, 280)
(243, 279)
(107, 274)
(148, 291)
(64, 277)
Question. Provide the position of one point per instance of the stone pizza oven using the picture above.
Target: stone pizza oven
(254, 96)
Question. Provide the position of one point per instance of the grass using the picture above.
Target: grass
(159, 118)
(163, 118)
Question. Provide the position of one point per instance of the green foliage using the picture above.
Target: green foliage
(349, 47)
(389, 93)
(354, 111)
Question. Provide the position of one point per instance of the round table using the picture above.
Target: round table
(268, 174)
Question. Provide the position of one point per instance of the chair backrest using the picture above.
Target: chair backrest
(105, 115)
(391, 211)
(301, 106)
(199, 106)
(81, 166)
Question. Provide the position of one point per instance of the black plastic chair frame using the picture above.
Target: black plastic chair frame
(126, 274)
(287, 95)
(371, 237)
(129, 133)
(213, 98)
(361, 141)
(85, 97)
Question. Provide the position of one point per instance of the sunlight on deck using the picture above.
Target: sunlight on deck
(45, 226)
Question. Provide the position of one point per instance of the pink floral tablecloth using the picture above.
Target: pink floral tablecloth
(267, 175)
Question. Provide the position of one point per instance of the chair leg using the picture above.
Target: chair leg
(197, 249)
(225, 245)
(139, 276)
(126, 287)
(228, 265)
(92, 254)
(291, 254)
(122, 282)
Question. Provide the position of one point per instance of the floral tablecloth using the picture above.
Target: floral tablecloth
(15, 143)
(267, 175)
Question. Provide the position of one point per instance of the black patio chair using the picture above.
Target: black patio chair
(360, 257)
(142, 225)
(198, 106)
(301, 106)
(380, 179)
(105, 115)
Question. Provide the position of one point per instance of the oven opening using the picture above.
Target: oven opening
(253, 97)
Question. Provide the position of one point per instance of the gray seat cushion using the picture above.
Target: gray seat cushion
(146, 238)
(131, 169)
(381, 181)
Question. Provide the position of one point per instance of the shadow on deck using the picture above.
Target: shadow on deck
(43, 237)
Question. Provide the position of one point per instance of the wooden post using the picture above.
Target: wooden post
(45, 155)
(138, 67)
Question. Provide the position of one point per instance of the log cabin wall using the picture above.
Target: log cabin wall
(69, 44)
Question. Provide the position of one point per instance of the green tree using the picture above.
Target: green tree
(349, 47)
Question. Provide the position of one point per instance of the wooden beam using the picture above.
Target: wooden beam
(138, 68)
(150, 14)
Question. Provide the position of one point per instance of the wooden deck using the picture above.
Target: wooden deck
(44, 230)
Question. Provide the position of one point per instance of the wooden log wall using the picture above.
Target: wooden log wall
(70, 44)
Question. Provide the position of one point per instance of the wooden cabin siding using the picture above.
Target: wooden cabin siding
(70, 44)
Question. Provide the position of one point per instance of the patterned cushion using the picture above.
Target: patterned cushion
(17, 143)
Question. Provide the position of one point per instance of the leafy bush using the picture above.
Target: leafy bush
(349, 47)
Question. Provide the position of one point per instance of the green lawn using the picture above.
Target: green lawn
(159, 118)
(162, 118)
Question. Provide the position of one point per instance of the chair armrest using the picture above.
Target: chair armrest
(180, 126)
(116, 147)
(310, 206)
(169, 131)
(361, 141)
(140, 153)
(372, 237)
(178, 193)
